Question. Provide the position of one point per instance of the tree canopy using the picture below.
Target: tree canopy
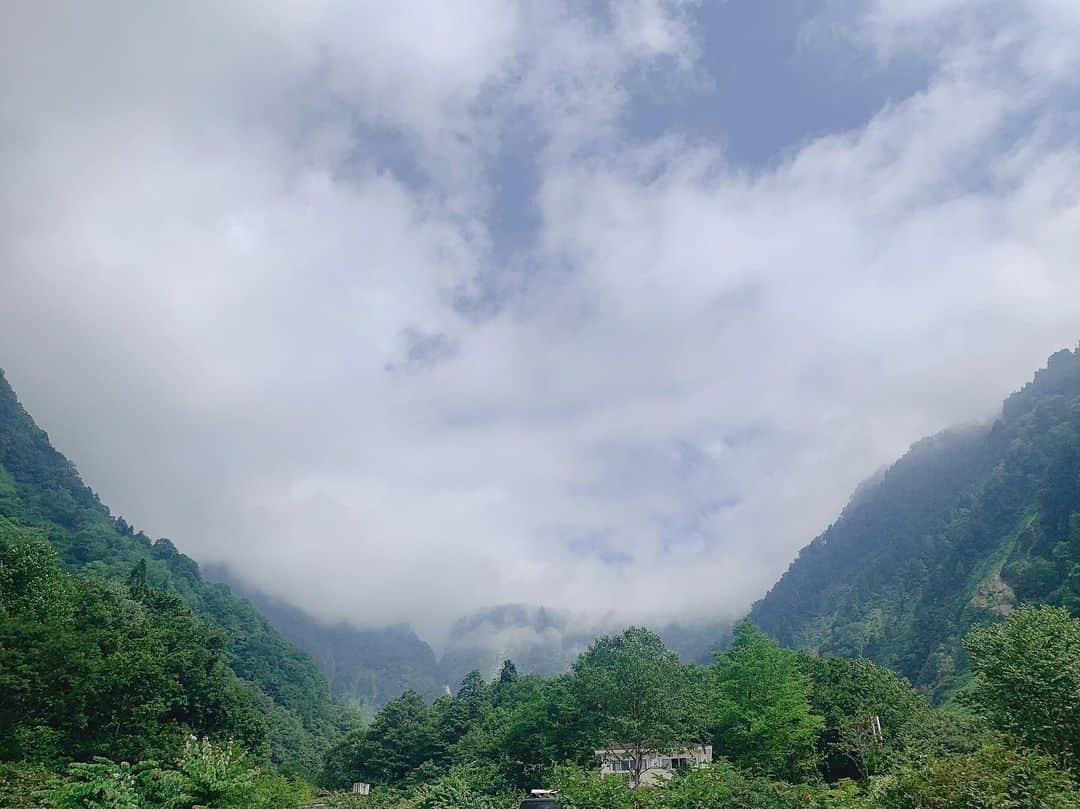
(1027, 678)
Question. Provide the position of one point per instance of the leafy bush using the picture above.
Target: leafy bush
(581, 789)
(206, 775)
(102, 784)
(464, 787)
(32, 584)
(994, 777)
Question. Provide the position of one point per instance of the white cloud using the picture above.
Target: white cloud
(211, 283)
(1031, 38)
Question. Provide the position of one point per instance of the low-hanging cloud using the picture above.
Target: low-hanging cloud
(248, 282)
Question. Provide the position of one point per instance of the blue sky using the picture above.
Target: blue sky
(772, 78)
(602, 306)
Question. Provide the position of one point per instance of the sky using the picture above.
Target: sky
(401, 310)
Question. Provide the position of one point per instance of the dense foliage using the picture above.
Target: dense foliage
(1027, 678)
(962, 529)
(90, 667)
(787, 729)
(203, 775)
(41, 490)
(640, 694)
(94, 671)
(761, 708)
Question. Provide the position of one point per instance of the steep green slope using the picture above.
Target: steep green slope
(962, 528)
(40, 488)
(365, 667)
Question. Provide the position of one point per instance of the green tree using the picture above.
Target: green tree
(536, 724)
(762, 719)
(32, 585)
(137, 583)
(1027, 678)
(474, 694)
(508, 673)
(400, 741)
(641, 695)
(871, 715)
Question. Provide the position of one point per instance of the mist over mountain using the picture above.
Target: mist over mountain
(366, 667)
(369, 666)
(969, 524)
(468, 386)
(545, 641)
(41, 491)
(589, 298)
(134, 652)
(966, 525)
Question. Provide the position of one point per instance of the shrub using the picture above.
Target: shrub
(994, 777)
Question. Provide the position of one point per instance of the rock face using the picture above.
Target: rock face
(995, 596)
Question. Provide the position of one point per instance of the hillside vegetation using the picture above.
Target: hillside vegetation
(788, 730)
(965, 527)
(366, 667)
(41, 490)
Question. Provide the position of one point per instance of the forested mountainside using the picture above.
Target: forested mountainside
(365, 667)
(962, 529)
(41, 492)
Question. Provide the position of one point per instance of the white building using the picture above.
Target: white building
(654, 766)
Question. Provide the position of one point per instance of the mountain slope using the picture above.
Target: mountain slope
(40, 488)
(365, 667)
(962, 528)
